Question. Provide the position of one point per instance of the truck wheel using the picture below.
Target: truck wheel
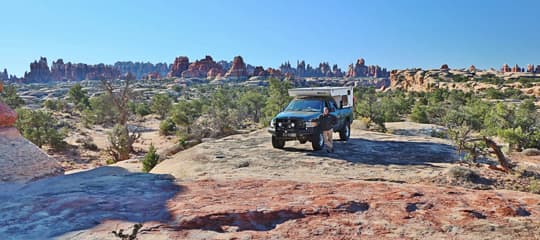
(345, 132)
(278, 143)
(317, 141)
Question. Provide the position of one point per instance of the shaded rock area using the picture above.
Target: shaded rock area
(269, 209)
(52, 207)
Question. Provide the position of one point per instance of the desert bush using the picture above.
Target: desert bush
(151, 159)
(121, 142)
(419, 114)
(534, 186)
(251, 104)
(186, 112)
(10, 97)
(278, 98)
(161, 104)
(462, 174)
(78, 97)
(87, 142)
(142, 109)
(167, 127)
(41, 128)
(100, 111)
(55, 105)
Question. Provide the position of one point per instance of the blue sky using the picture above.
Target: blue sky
(390, 33)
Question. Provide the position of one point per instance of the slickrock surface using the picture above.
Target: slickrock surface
(267, 209)
(21, 160)
(366, 156)
(51, 207)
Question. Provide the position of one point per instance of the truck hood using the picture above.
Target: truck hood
(306, 116)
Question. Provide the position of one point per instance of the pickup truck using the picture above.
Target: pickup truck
(299, 120)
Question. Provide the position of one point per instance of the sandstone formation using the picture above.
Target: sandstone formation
(180, 65)
(445, 67)
(80, 71)
(238, 70)
(59, 71)
(411, 80)
(359, 69)
(516, 68)
(141, 69)
(303, 70)
(151, 76)
(4, 75)
(39, 71)
(505, 68)
(21, 160)
(204, 68)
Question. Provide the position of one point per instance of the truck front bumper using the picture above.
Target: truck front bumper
(292, 134)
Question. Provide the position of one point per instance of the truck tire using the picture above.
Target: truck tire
(278, 143)
(317, 141)
(345, 132)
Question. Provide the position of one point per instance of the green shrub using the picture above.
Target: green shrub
(10, 97)
(78, 97)
(419, 114)
(41, 128)
(142, 109)
(167, 127)
(161, 105)
(151, 159)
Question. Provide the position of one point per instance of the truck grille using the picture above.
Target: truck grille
(288, 124)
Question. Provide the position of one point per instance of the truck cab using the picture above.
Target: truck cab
(300, 119)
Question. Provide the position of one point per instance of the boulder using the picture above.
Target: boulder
(8, 116)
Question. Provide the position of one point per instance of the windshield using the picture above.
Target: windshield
(305, 105)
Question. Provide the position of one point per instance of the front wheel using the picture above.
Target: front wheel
(278, 143)
(317, 141)
(345, 132)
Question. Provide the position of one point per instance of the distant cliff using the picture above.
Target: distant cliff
(143, 70)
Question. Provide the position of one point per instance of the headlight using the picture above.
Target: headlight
(273, 123)
(280, 124)
(311, 123)
(292, 125)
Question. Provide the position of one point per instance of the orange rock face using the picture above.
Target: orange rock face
(506, 68)
(8, 117)
(201, 69)
(180, 65)
(238, 69)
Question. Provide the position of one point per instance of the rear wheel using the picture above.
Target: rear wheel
(278, 143)
(345, 132)
(317, 141)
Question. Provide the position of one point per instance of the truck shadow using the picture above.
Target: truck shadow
(385, 152)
